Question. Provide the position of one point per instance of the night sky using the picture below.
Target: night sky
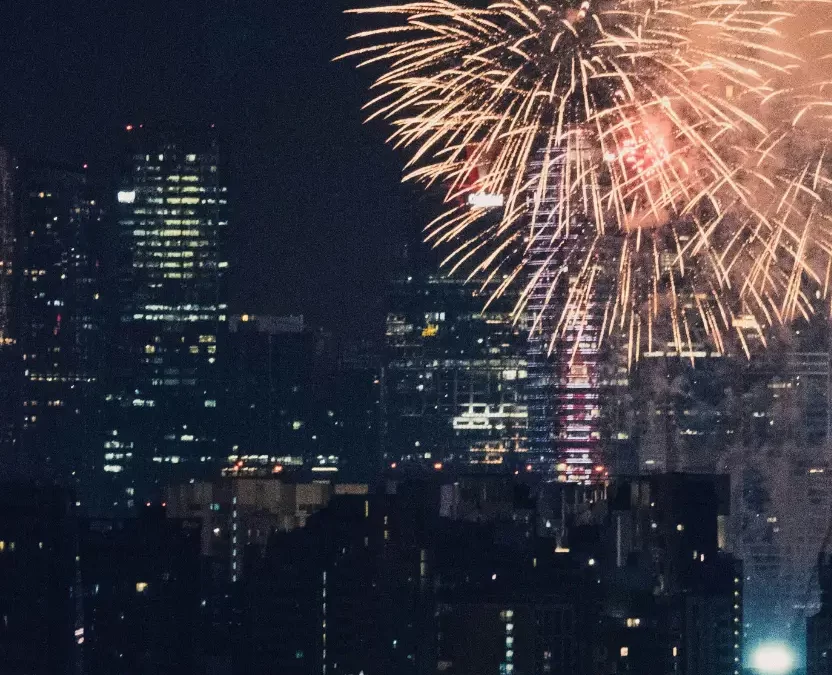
(319, 215)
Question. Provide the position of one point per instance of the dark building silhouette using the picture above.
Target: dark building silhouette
(503, 609)
(271, 390)
(295, 401)
(464, 574)
(142, 583)
(442, 573)
(359, 418)
(342, 595)
(674, 596)
(40, 618)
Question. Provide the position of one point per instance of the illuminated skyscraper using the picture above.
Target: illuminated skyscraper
(164, 405)
(59, 321)
(564, 386)
(454, 377)
(8, 356)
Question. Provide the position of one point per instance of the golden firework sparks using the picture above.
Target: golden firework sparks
(682, 139)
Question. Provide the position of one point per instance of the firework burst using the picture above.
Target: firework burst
(666, 157)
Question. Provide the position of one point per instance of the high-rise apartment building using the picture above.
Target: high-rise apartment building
(59, 322)
(454, 376)
(164, 401)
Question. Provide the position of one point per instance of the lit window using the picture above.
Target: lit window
(141, 586)
(625, 651)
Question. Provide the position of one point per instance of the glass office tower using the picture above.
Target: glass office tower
(164, 406)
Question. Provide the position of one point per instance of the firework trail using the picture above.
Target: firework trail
(686, 137)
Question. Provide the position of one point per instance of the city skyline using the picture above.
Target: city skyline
(253, 419)
(169, 318)
(245, 70)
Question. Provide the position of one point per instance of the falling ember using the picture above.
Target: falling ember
(684, 142)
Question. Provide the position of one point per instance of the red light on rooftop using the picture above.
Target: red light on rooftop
(393, 465)
(86, 166)
(277, 468)
(528, 467)
(129, 127)
(599, 469)
(438, 466)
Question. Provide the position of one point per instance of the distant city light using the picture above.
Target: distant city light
(773, 658)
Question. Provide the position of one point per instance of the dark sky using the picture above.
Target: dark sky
(319, 214)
